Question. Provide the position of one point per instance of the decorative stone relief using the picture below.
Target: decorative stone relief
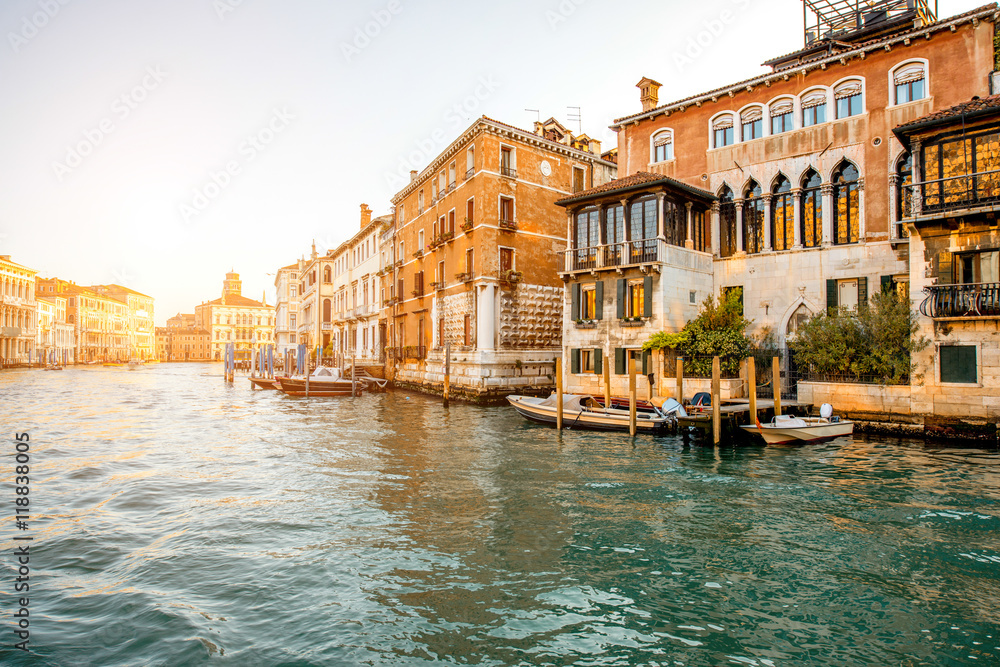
(454, 308)
(531, 317)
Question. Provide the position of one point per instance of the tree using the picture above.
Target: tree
(875, 342)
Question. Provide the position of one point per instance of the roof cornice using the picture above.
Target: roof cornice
(989, 13)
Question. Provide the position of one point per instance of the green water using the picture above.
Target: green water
(181, 521)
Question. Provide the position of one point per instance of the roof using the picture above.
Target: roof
(638, 180)
(236, 300)
(974, 108)
(986, 11)
(121, 289)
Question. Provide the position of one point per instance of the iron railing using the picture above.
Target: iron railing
(509, 172)
(967, 300)
(954, 192)
(615, 255)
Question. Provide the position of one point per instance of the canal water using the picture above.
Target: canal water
(178, 520)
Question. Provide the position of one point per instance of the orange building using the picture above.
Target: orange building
(101, 321)
(471, 260)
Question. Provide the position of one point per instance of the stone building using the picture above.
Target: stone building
(234, 318)
(474, 253)
(182, 340)
(140, 319)
(100, 321)
(315, 326)
(56, 339)
(802, 161)
(286, 308)
(17, 312)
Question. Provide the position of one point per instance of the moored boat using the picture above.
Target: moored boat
(264, 383)
(787, 429)
(583, 411)
(323, 382)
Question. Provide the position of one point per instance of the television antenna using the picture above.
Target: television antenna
(577, 117)
(538, 115)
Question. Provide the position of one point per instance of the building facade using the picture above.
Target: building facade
(802, 161)
(234, 318)
(286, 307)
(56, 339)
(316, 290)
(18, 312)
(474, 258)
(182, 340)
(100, 322)
(141, 336)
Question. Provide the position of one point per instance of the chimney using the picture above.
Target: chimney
(366, 216)
(413, 175)
(649, 93)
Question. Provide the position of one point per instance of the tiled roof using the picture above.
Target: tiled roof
(974, 107)
(237, 300)
(636, 180)
(864, 46)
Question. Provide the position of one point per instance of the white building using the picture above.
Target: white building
(17, 312)
(286, 308)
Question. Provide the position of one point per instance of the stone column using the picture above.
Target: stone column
(797, 215)
(768, 245)
(486, 318)
(739, 225)
(894, 206)
(689, 237)
(827, 191)
(660, 220)
(716, 227)
(861, 210)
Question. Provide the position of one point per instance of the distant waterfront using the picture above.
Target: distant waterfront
(178, 520)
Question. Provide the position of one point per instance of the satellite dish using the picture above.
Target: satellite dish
(826, 411)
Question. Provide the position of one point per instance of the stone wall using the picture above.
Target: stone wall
(530, 317)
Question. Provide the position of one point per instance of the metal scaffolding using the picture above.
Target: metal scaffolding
(831, 19)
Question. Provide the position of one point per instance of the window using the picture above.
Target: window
(751, 120)
(470, 161)
(451, 222)
(814, 108)
(506, 209)
(507, 165)
(848, 97)
(440, 273)
(470, 210)
(753, 218)
(586, 361)
(579, 179)
(674, 222)
(420, 202)
(506, 260)
(663, 146)
(635, 298)
(846, 293)
(977, 267)
(958, 364)
(782, 215)
(451, 175)
(727, 223)
(812, 210)
(327, 275)
(904, 193)
(420, 242)
(948, 162)
(469, 263)
(722, 131)
(642, 230)
(846, 204)
(588, 302)
(467, 340)
(781, 116)
(908, 81)
(614, 224)
(587, 231)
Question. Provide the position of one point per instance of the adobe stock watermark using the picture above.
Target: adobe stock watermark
(363, 35)
(33, 24)
(249, 149)
(710, 33)
(563, 11)
(121, 108)
(223, 7)
(430, 145)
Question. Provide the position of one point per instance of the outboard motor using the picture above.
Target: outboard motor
(826, 411)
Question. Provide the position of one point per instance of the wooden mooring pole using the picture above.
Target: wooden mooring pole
(631, 397)
(559, 394)
(607, 384)
(776, 384)
(354, 387)
(752, 377)
(447, 372)
(716, 408)
(680, 379)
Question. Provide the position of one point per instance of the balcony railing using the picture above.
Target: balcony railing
(469, 173)
(974, 300)
(509, 172)
(626, 253)
(407, 352)
(954, 192)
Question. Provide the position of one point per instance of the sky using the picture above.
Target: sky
(158, 145)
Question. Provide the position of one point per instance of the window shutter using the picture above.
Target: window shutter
(647, 362)
(574, 360)
(886, 284)
(862, 292)
(621, 298)
(831, 296)
(620, 361)
(944, 273)
(958, 363)
(647, 296)
(599, 299)
(574, 309)
(598, 360)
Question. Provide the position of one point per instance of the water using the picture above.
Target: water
(181, 521)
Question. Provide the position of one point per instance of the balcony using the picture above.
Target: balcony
(968, 301)
(616, 255)
(418, 254)
(469, 173)
(467, 226)
(463, 277)
(508, 225)
(509, 172)
(954, 193)
(437, 286)
(407, 352)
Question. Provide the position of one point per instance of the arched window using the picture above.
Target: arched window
(813, 108)
(642, 230)
(848, 97)
(797, 319)
(782, 215)
(909, 82)
(846, 204)
(326, 310)
(781, 116)
(812, 210)
(663, 146)
(753, 218)
(722, 131)
(727, 223)
(327, 275)
(752, 123)
(904, 193)
(587, 238)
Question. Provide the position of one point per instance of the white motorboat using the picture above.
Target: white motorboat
(584, 411)
(785, 429)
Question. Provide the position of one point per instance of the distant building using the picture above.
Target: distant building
(474, 257)
(286, 307)
(234, 318)
(56, 338)
(100, 321)
(140, 318)
(17, 312)
(182, 340)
